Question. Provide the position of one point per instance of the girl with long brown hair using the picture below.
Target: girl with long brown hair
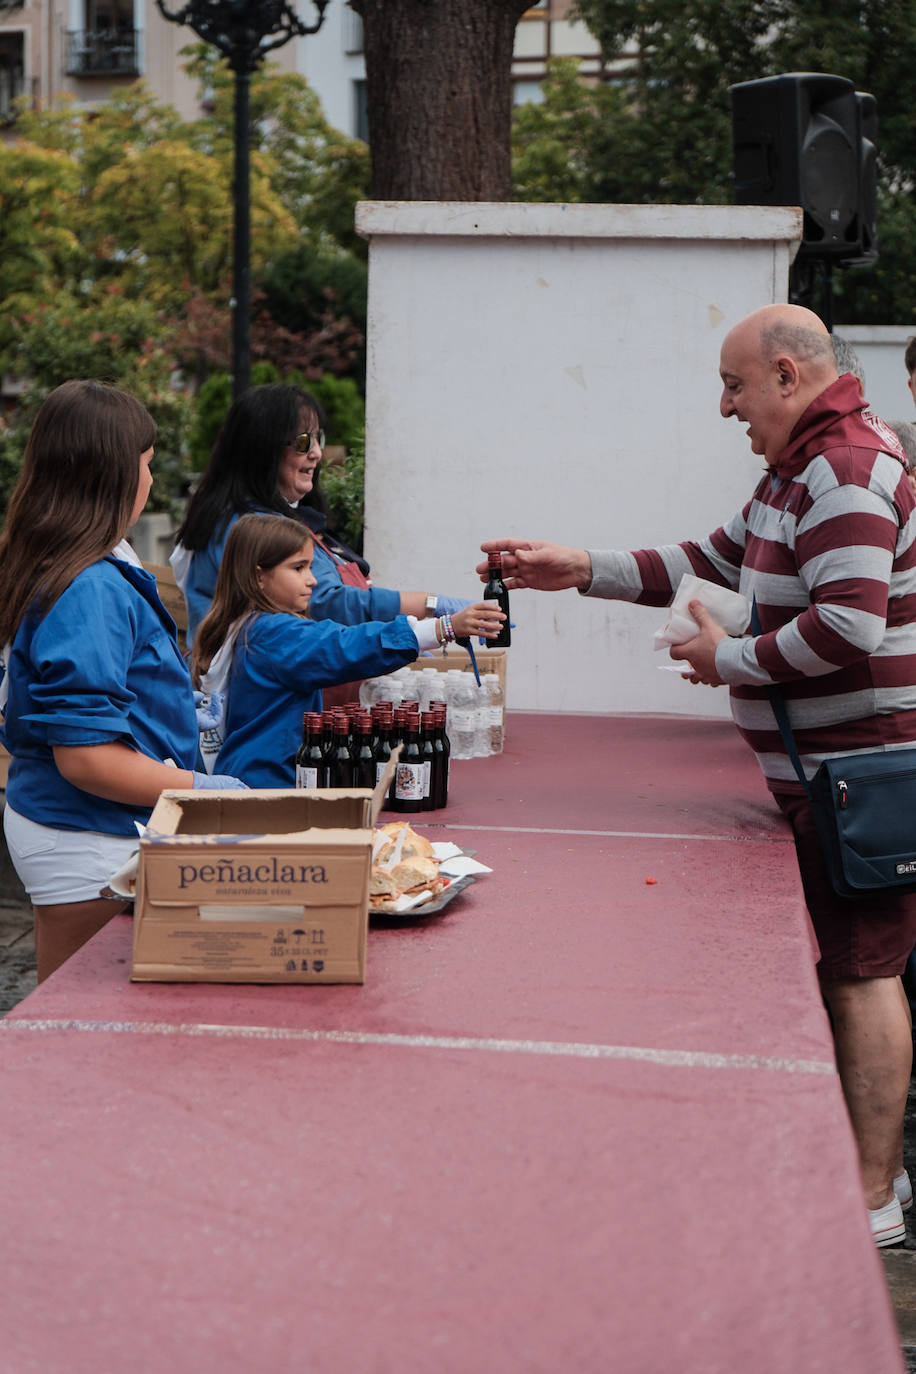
(96, 695)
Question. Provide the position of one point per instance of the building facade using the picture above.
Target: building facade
(85, 49)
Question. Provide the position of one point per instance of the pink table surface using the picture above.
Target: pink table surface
(577, 1121)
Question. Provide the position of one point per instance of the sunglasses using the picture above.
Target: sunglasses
(303, 442)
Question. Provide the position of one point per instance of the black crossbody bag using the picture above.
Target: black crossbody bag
(865, 811)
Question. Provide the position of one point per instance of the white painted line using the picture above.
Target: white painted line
(686, 1059)
(622, 834)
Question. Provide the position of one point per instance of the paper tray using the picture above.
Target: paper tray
(420, 913)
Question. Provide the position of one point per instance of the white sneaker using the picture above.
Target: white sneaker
(903, 1191)
(887, 1224)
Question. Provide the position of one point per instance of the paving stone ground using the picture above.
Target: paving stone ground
(17, 951)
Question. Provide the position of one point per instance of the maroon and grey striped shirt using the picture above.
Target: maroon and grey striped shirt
(826, 546)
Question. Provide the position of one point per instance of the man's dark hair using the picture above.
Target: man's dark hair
(909, 356)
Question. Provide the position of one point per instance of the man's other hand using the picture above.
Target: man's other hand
(700, 652)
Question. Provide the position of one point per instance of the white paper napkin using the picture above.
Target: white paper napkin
(729, 609)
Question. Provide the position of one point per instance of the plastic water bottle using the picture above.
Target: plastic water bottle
(495, 712)
(429, 686)
(481, 720)
(407, 683)
(462, 713)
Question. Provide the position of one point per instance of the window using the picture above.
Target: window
(108, 45)
(527, 93)
(352, 32)
(360, 117)
(12, 73)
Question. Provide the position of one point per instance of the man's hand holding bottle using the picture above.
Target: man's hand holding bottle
(537, 564)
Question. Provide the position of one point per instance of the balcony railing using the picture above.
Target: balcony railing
(103, 52)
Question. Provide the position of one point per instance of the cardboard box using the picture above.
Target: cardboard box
(264, 886)
(488, 661)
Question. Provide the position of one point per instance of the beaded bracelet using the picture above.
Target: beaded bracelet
(448, 631)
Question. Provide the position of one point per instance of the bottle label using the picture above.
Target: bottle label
(462, 719)
(379, 770)
(495, 715)
(306, 777)
(410, 782)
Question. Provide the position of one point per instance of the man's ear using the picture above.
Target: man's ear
(787, 374)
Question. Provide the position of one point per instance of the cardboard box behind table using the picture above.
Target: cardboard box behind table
(264, 886)
(488, 661)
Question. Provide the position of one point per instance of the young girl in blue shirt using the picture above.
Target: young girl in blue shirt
(258, 646)
(95, 696)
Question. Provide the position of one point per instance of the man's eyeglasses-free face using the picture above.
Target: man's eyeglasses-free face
(303, 442)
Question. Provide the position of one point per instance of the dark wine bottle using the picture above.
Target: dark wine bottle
(429, 758)
(409, 789)
(311, 770)
(443, 750)
(340, 760)
(398, 717)
(495, 590)
(361, 749)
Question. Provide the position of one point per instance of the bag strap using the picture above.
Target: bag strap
(778, 704)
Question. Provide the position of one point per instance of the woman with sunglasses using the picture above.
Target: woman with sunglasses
(265, 459)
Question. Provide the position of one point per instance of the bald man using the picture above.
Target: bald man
(823, 546)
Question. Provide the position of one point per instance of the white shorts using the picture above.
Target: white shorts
(58, 866)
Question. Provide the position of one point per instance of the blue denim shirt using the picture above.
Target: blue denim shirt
(102, 665)
(280, 664)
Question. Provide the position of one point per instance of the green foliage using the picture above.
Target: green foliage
(299, 284)
(344, 406)
(113, 339)
(344, 488)
(551, 139)
(116, 252)
(660, 129)
(317, 172)
(38, 247)
(13, 437)
(213, 399)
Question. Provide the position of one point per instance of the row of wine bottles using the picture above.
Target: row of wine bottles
(347, 746)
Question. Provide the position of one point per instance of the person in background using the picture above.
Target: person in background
(909, 359)
(97, 702)
(905, 431)
(848, 360)
(260, 651)
(840, 644)
(265, 460)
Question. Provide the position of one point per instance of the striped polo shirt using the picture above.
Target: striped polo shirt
(826, 547)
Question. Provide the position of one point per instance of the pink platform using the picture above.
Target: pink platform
(577, 1123)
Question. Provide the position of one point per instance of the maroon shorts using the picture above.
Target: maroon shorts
(865, 937)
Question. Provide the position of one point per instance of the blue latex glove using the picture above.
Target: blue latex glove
(217, 782)
(450, 605)
(209, 710)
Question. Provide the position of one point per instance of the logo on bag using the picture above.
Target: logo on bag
(903, 869)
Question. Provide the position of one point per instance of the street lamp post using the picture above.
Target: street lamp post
(243, 31)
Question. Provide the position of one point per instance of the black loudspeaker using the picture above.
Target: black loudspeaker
(798, 140)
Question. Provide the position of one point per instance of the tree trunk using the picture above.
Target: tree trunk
(439, 97)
